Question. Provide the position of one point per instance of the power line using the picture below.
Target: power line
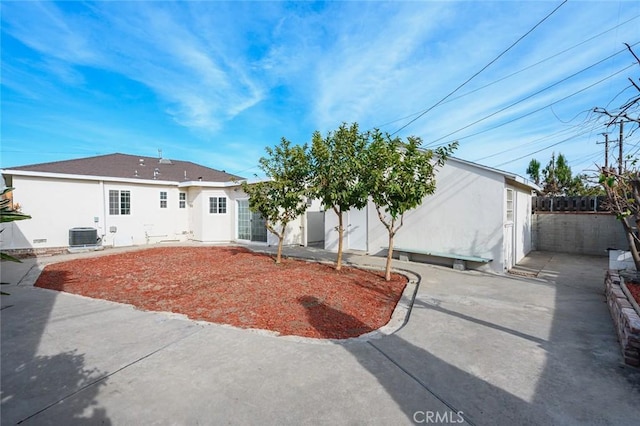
(483, 68)
(569, 130)
(542, 149)
(520, 70)
(531, 112)
(532, 95)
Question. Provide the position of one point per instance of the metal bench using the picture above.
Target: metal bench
(459, 260)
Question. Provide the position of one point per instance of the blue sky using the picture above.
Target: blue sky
(216, 82)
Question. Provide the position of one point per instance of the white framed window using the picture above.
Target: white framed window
(509, 207)
(119, 202)
(182, 200)
(163, 199)
(218, 205)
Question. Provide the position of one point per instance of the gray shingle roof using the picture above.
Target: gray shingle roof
(132, 166)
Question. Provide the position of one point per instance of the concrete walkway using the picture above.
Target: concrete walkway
(523, 349)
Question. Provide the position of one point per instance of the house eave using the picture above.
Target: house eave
(205, 184)
(48, 175)
(509, 176)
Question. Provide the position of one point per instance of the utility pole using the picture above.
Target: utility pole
(606, 151)
(620, 148)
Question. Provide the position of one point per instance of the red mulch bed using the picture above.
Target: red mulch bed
(634, 289)
(232, 285)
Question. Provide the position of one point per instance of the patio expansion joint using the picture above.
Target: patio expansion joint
(421, 383)
(106, 376)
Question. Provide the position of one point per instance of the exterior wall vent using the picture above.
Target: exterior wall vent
(81, 237)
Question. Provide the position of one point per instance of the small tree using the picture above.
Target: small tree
(337, 169)
(534, 171)
(9, 214)
(557, 175)
(557, 179)
(282, 198)
(623, 189)
(623, 199)
(582, 185)
(398, 177)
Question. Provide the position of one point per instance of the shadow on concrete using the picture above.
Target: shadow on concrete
(436, 307)
(423, 385)
(33, 382)
(584, 367)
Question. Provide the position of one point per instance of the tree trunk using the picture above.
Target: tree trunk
(279, 256)
(387, 270)
(633, 248)
(340, 235)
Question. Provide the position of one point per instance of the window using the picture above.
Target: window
(509, 205)
(163, 200)
(183, 200)
(119, 202)
(218, 205)
(114, 202)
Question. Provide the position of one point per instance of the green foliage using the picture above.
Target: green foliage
(398, 176)
(283, 197)
(338, 165)
(557, 179)
(8, 214)
(534, 171)
(623, 200)
(563, 172)
(581, 186)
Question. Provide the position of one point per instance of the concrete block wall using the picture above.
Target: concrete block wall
(625, 319)
(577, 232)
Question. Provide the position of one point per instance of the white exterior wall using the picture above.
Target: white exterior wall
(194, 203)
(57, 205)
(464, 216)
(147, 223)
(523, 226)
(293, 235)
(212, 227)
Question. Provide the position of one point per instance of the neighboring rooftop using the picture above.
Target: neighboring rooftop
(132, 166)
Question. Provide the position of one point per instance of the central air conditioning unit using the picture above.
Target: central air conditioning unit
(82, 237)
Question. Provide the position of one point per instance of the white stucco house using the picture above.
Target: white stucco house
(476, 211)
(133, 200)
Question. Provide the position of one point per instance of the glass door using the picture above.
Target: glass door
(251, 226)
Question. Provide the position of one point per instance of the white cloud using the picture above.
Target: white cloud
(145, 43)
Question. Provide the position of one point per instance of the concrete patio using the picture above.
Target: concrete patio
(534, 348)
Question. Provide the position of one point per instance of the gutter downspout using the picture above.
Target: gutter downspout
(104, 212)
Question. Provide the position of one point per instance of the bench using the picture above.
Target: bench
(459, 260)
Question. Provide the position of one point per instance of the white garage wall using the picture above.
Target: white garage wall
(523, 225)
(464, 216)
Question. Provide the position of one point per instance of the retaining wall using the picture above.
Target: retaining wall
(577, 232)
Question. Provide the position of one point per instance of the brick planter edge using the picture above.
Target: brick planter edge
(625, 318)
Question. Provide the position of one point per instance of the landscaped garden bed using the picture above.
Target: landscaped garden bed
(634, 289)
(232, 285)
